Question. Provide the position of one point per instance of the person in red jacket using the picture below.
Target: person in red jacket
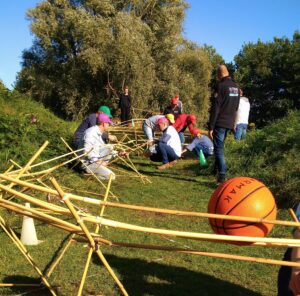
(184, 121)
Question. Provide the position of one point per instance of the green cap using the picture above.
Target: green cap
(105, 110)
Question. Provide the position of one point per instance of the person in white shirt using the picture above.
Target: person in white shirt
(242, 117)
(150, 124)
(168, 148)
(98, 152)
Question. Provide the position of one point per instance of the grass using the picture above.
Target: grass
(185, 187)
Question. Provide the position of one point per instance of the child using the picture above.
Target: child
(201, 142)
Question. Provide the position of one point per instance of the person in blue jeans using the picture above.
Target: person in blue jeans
(201, 142)
(168, 147)
(222, 117)
(242, 117)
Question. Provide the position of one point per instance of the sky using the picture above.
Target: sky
(225, 25)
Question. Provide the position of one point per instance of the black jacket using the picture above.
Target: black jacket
(225, 104)
(125, 101)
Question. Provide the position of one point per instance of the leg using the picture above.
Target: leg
(167, 153)
(100, 171)
(148, 131)
(238, 131)
(181, 136)
(127, 114)
(156, 157)
(245, 126)
(218, 140)
(123, 115)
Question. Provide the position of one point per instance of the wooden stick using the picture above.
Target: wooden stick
(39, 215)
(153, 210)
(97, 179)
(87, 234)
(19, 285)
(195, 252)
(209, 254)
(11, 234)
(58, 259)
(194, 235)
(88, 260)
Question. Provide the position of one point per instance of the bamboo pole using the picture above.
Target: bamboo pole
(90, 252)
(24, 210)
(19, 285)
(151, 209)
(87, 234)
(32, 159)
(194, 235)
(11, 234)
(58, 259)
(208, 254)
(97, 179)
(195, 252)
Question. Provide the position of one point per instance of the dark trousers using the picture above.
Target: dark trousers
(165, 153)
(284, 276)
(125, 114)
(218, 140)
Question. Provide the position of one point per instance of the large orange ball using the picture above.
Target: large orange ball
(242, 196)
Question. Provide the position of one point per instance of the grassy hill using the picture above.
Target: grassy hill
(269, 154)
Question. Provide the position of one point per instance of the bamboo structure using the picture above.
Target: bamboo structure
(23, 185)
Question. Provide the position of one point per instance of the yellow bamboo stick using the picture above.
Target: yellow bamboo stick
(39, 214)
(19, 285)
(151, 209)
(58, 259)
(87, 233)
(209, 254)
(46, 161)
(97, 179)
(11, 234)
(90, 252)
(193, 235)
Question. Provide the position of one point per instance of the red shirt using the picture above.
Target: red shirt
(182, 121)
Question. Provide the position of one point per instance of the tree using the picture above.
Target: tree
(86, 51)
(269, 73)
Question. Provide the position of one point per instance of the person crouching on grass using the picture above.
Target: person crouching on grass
(168, 146)
(201, 142)
(98, 152)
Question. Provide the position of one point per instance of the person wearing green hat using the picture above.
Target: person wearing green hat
(89, 121)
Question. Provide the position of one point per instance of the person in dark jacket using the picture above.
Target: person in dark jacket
(222, 117)
(89, 121)
(175, 108)
(125, 105)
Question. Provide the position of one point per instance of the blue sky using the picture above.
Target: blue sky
(226, 25)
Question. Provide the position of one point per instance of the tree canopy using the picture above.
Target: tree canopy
(269, 73)
(84, 53)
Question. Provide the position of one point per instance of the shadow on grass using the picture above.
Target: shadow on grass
(21, 290)
(141, 277)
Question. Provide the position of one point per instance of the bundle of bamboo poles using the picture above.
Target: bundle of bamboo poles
(15, 191)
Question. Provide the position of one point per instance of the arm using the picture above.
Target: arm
(215, 109)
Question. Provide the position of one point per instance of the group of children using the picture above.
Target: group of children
(169, 147)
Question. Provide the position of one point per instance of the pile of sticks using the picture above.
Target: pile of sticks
(20, 185)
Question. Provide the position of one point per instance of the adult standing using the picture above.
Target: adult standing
(125, 105)
(89, 121)
(222, 117)
(242, 117)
